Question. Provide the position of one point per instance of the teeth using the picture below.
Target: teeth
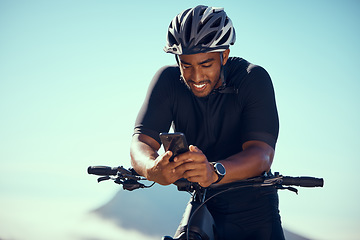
(199, 86)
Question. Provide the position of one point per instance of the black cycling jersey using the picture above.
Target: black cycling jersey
(221, 122)
(243, 109)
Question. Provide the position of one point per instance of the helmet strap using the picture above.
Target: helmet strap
(182, 79)
(177, 59)
(222, 75)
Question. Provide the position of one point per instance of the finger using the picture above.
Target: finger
(166, 156)
(190, 155)
(193, 148)
(192, 169)
(187, 155)
(181, 169)
(184, 157)
(202, 180)
(197, 179)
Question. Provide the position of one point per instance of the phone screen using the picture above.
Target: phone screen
(174, 142)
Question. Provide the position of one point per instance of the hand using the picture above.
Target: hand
(163, 171)
(195, 167)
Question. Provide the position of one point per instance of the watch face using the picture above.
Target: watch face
(220, 168)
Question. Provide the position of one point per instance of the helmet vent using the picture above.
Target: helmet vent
(207, 39)
(202, 24)
(188, 29)
(177, 25)
(216, 23)
(202, 11)
(226, 21)
(172, 39)
(224, 38)
(183, 15)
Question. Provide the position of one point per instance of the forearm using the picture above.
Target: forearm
(142, 155)
(252, 161)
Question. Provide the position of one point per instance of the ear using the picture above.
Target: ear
(225, 55)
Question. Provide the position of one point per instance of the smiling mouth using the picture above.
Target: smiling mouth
(199, 87)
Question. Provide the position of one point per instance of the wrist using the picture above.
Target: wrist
(219, 170)
(215, 177)
(149, 170)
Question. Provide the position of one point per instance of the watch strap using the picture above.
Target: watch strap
(220, 176)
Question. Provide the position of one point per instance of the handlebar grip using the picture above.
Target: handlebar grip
(303, 181)
(183, 184)
(102, 170)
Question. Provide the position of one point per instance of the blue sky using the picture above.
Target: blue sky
(73, 75)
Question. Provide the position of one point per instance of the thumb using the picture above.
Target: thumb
(167, 155)
(193, 148)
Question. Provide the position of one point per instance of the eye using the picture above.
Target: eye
(186, 66)
(206, 65)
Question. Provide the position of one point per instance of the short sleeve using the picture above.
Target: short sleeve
(155, 115)
(260, 116)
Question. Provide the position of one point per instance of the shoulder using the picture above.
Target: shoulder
(241, 73)
(168, 72)
(240, 68)
(165, 77)
(257, 71)
(236, 65)
(166, 84)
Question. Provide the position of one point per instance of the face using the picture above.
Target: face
(201, 71)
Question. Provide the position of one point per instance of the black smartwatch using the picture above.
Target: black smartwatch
(219, 170)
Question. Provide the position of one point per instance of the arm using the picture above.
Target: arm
(143, 152)
(256, 158)
(260, 127)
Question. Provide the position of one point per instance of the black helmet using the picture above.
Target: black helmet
(198, 30)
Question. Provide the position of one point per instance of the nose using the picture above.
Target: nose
(197, 75)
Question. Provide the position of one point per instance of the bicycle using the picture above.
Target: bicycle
(197, 222)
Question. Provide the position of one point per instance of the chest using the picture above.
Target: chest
(209, 122)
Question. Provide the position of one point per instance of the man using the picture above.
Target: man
(226, 109)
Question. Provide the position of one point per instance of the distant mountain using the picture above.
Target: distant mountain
(293, 236)
(156, 211)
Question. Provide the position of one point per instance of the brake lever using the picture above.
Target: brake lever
(100, 179)
(132, 185)
(292, 189)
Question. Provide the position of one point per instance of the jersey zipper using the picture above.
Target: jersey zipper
(209, 127)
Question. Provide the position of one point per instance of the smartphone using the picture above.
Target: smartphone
(174, 142)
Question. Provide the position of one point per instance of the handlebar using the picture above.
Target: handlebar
(302, 181)
(102, 170)
(129, 178)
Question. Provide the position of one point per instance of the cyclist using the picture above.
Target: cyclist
(226, 108)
